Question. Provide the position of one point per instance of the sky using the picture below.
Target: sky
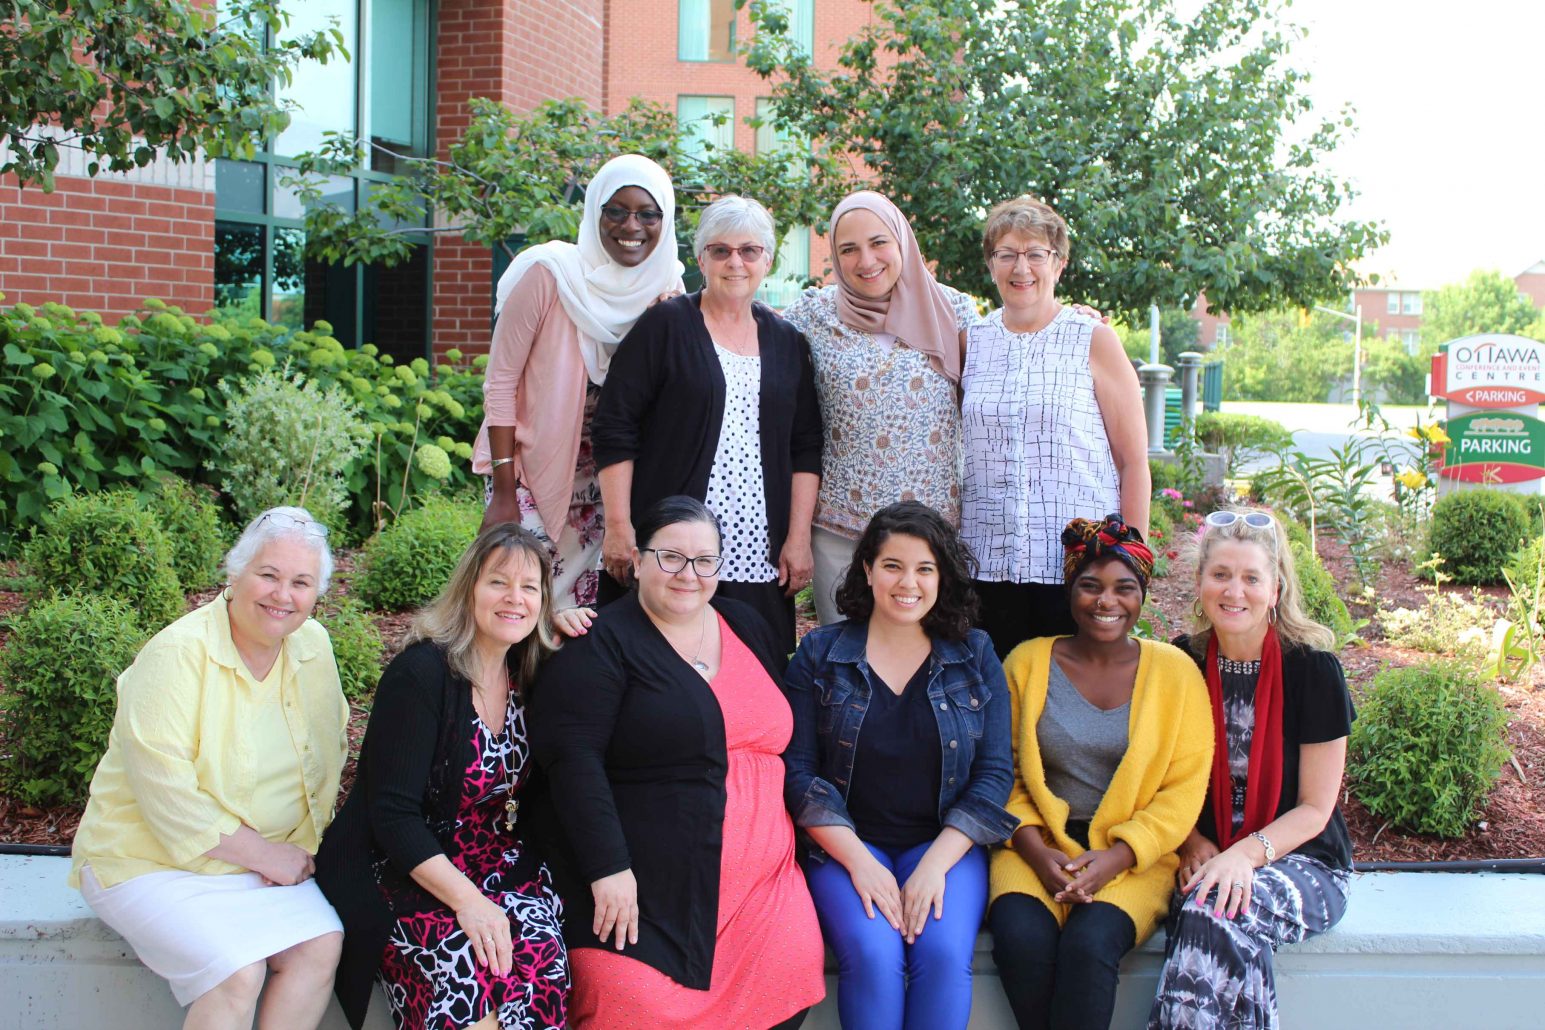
(1449, 145)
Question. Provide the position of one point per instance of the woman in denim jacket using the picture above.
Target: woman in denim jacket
(898, 772)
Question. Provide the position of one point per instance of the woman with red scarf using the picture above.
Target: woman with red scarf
(1270, 859)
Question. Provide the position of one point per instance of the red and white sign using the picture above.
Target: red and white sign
(1490, 371)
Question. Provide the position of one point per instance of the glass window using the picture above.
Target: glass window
(325, 94)
(287, 292)
(239, 268)
(708, 122)
(336, 189)
(1412, 338)
(240, 186)
(801, 14)
(705, 30)
(1220, 335)
(1392, 299)
(398, 115)
(789, 272)
(1411, 304)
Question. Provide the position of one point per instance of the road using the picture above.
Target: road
(1319, 428)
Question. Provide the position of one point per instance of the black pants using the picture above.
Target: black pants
(1015, 612)
(766, 598)
(1059, 978)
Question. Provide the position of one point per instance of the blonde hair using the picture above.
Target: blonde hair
(1293, 625)
(449, 622)
(1027, 215)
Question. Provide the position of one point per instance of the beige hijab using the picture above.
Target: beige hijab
(917, 312)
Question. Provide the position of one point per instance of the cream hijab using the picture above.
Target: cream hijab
(917, 312)
(601, 297)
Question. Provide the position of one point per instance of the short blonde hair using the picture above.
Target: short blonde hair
(1027, 215)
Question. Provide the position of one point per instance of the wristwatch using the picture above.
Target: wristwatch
(1271, 852)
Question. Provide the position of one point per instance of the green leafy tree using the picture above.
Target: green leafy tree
(126, 79)
(1181, 148)
(1486, 302)
(1393, 374)
(1178, 333)
(1283, 356)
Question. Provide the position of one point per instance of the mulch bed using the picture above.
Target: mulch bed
(1512, 825)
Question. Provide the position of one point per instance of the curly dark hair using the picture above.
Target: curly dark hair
(954, 611)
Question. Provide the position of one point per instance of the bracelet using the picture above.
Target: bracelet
(1271, 852)
(495, 463)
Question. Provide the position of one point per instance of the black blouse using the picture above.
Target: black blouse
(1316, 708)
(663, 404)
(632, 741)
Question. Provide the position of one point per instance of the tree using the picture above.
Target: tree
(1486, 302)
(1178, 333)
(521, 178)
(125, 79)
(1182, 150)
(1284, 356)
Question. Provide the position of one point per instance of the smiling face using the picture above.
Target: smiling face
(904, 579)
(867, 254)
(275, 593)
(1237, 587)
(507, 599)
(628, 241)
(673, 596)
(731, 276)
(1021, 283)
(1106, 600)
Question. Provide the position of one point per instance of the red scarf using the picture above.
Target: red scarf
(1263, 790)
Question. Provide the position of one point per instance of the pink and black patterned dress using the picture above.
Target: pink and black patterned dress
(429, 973)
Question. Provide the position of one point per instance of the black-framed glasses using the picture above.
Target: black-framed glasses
(1036, 256)
(620, 215)
(672, 562)
(1253, 519)
(311, 526)
(749, 253)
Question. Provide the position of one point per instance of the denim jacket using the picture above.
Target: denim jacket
(828, 684)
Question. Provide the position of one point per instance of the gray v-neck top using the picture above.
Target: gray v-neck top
(1081, 745)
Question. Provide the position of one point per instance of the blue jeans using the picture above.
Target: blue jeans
(884, 983)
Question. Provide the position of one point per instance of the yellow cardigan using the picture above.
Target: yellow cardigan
(1153, 798)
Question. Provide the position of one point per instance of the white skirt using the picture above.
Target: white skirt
(196, 930)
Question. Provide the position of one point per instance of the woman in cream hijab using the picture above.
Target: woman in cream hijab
(562, 310)
(886, 341)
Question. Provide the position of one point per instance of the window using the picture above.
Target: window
(1411, 303)
(801, 15)
(789, 272)
(325, 93)
(1220, 335)
(705, 30)
(708, 123)
(1392, 299)
(1412, 338)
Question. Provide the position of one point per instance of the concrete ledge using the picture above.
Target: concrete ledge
(1440, 950)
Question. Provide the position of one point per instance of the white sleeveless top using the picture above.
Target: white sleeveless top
(1036, 453)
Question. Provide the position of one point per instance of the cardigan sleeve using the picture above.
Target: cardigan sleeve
(400, 740)
(1019, 676)
(515, 332)
(1160, 826)
(633, 384)
(807, 439)
(571, 719)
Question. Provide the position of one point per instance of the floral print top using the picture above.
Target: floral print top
(892, 421)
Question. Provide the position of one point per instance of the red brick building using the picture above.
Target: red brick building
(229, 233)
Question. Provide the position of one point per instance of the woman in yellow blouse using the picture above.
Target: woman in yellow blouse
(1112, 751)
(219, 778)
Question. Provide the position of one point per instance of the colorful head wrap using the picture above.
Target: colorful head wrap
(1085, 541)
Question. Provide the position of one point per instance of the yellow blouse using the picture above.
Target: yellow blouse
(189, 758)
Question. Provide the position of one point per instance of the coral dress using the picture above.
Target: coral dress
(768, 957)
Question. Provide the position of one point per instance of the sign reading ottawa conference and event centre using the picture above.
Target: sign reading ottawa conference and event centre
(1493, 446)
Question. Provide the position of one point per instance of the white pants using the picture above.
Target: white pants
(833, 554)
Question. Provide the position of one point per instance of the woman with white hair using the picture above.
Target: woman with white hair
(712, 396)
(220, 775)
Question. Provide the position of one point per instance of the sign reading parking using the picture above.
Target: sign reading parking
(1494, 447)
(1490, 371)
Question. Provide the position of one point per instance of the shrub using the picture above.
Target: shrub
(1446, 624)
(408, 562)
(1476, 532)
(190, 518)
(1240, 438)
(60, 669)
(1428, 744)
(356, 645)
(105, 543)
(1318, 593)
(1524, 573)
(290, 442)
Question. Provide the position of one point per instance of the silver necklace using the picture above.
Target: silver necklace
(696, 662)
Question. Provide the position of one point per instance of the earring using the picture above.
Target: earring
(226, 594)
(1271, 614)
(1196, 608)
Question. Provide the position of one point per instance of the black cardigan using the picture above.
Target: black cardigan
(632, 742)
(1316, 708)
(663, 404)
(402, 808)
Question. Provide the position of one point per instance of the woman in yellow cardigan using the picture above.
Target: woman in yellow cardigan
(1112, 749)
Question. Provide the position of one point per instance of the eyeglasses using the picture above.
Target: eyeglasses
(1036, 256)
(620, 215)
(1253, 519)
(749, 253)
(672, 562)
(311, 526)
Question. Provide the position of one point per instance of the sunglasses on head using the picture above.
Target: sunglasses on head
(1253, 519)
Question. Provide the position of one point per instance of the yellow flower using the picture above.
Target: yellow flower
(1415, 433)
(1435, 434)
(1412, 479)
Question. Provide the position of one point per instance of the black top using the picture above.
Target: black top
(402, 807)
(632, 740)
(894, 794)
(663, 404)
(1316, 708)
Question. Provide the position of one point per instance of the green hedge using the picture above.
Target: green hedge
(1477, 532)
(408, 563)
